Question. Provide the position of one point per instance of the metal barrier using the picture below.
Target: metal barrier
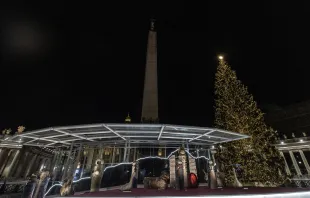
(12, 187)
(301, 182)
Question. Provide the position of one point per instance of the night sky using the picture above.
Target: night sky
(82, 62)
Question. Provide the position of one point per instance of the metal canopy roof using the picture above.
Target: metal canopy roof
(116, 134)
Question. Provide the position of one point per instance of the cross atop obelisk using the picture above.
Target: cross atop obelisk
(150, 93)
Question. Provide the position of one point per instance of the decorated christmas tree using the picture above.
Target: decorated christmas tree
(236, 110)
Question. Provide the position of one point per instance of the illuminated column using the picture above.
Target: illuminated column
(128, 152)
(125, 152)
(134, 154)
(43, 164)
(137, 170)
(58, 165)
(3, 154)
(100, 152)
(10, 168)
(37, 164)
(287, 169)
(6, 157)
(76, 163)
(113, 156)
(110, 157)
(67, 163)
(304, 159)
(165, 151)
(198, 162)
(187, 146)
(295, 163)
(120, 155)
(50, 166)
(83, 165)
(47, 163)
(33, 159)
(90, 159)
(71, 163)
(22, 164)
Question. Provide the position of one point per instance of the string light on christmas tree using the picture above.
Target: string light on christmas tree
(236, 110)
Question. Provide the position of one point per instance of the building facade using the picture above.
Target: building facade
(293, 126)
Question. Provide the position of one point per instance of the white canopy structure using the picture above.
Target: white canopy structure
(118, 134)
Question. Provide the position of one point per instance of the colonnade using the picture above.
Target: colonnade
(295, 164)
(20, 163)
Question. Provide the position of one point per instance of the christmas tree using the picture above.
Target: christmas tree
(236, 110)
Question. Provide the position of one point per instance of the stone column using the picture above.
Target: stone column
(113, 156)
(71, 163)
(295, 163)
(58, 166)
(22, 164)
(10, 168)
(137, 171)
(6, 157)
(83, 165)
(36, 164)
(31, 162)
(134, 154)
(165, 151)
(64, 175)
(110, 157)
(90, 157)
(304, 159)
(187, 146)
(287, 169)
(76, 161)
(198, 163)
(3, 155)
(128, 153)
(52, 163)
(40, 165)
(125, 152)
(47, 163)
(43, 163)
(100, 153)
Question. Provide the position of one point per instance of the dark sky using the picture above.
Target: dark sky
(82, 62)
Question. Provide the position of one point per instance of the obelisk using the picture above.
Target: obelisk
(150, 93)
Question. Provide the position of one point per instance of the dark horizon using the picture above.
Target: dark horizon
(64, 64)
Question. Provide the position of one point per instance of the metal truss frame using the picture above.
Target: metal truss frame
(112, 134)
